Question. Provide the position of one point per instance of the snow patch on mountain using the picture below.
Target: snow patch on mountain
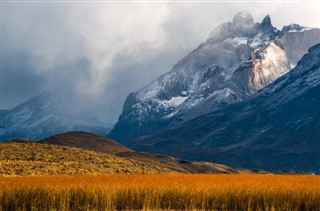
(221, 94)
(237, 40)
(258, 41)
(295, 28)
(302, 30)
(174, 101)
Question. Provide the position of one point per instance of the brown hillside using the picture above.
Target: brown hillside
(86, 140)
(17, 140)
(40, 159)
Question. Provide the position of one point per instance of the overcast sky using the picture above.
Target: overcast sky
(94, 54)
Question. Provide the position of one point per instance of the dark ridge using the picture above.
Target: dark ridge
(17, 140)
(86, 140)
(179, 165)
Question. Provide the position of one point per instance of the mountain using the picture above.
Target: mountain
(83, 153)
(43, 116)
(238, 59)
(276, 129)
(86, 140)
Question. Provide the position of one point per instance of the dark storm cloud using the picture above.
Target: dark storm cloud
(21, 81)
(93, 55)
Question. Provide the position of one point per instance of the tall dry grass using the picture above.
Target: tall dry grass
(160, 192)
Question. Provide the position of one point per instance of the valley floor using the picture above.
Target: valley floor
(160, 192)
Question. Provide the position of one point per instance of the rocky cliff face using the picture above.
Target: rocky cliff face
(277, 129)
(297, 40)
(238, 59)
(267, 64)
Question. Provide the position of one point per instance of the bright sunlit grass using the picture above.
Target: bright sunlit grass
(160, 192)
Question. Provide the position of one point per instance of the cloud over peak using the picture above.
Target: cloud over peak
(94, 54)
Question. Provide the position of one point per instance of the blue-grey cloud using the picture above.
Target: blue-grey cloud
(21, 81)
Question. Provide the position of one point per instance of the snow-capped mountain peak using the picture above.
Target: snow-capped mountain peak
(45, 115)
(295, 28)
(266, 23)
(242, 25)
(238, 59)
(243, 21)
(243, 16)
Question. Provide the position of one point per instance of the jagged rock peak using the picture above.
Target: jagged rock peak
(266, 22)
(243, 17)
(242, 25)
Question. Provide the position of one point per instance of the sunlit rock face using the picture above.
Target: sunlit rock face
(268, 63)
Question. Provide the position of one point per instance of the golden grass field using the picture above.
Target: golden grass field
(160, 192)
(46, 159)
